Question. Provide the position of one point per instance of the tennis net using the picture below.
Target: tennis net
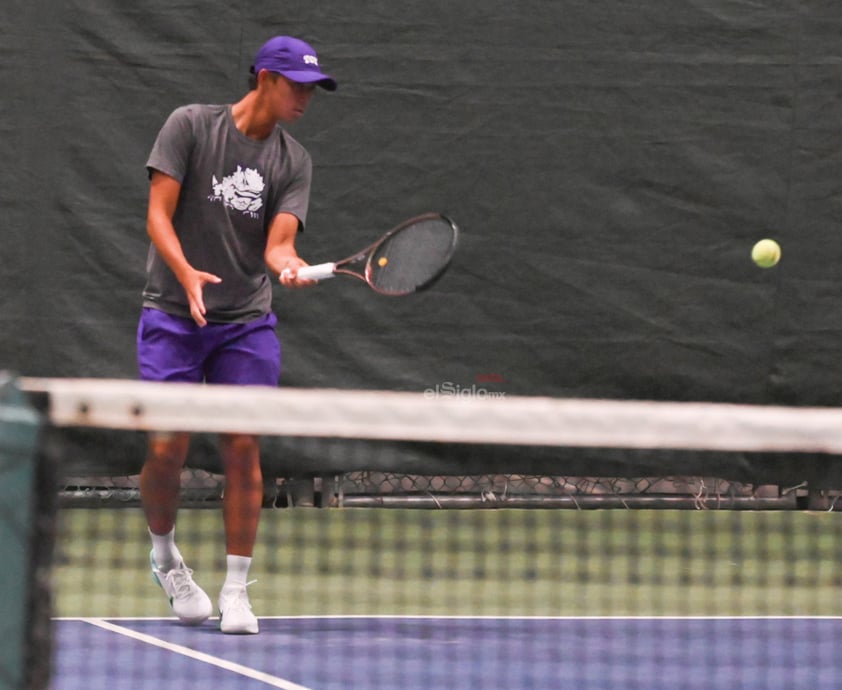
(380, 585)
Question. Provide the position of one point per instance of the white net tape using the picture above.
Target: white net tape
(379, 415)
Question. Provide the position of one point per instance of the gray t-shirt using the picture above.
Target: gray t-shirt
(231, 189)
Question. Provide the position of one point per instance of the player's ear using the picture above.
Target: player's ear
(265, 77)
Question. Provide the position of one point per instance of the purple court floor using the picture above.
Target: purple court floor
(400, 653)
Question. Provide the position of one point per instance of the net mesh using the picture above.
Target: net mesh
(368, 578)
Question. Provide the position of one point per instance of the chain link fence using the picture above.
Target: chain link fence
(385, 489)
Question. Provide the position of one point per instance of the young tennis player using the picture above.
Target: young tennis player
(229, 191)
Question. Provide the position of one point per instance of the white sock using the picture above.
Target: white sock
(164, 550)
(238, 571)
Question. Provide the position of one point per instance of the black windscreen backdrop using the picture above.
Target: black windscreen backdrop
(610, 165)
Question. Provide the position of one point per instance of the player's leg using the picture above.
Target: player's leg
(166, 353)
(241, 506)
(160, 482)
(243, 499)
(248, 354)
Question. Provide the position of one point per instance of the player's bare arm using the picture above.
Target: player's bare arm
(163, 198)
(281, 257)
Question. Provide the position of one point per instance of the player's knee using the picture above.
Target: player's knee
(241, 455)
(167, 448)
(239, 445)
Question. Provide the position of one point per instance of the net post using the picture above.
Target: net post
(330, 495)
(24, 607)
(300, 492)
(818, 499)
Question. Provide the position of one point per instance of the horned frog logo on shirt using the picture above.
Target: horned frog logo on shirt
(240, 191)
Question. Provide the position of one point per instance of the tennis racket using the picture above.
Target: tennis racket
(409, 258)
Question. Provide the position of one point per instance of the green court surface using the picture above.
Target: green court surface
(508, 562)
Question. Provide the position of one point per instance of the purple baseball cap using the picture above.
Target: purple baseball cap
(293, 58)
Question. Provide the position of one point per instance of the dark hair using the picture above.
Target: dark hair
(253, 78)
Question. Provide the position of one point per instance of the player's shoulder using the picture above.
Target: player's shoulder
(197, 112)
(294, 148)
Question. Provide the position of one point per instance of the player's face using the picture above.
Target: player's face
(290, 99)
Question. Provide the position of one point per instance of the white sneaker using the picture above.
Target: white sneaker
(189, 602)
(235, 616)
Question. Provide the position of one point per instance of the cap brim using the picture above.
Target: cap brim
(323, 80)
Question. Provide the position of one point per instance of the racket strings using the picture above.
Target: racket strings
(413, 257)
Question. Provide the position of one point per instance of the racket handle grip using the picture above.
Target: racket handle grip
(317, 272)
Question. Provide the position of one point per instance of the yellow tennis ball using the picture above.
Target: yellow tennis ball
(766, 253)
(382, 261)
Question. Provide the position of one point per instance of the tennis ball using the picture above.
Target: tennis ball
(766, 253)
(382, 261)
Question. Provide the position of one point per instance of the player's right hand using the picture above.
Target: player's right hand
(194, 284)
(289, 276)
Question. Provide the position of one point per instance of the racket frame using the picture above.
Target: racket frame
(342, 267)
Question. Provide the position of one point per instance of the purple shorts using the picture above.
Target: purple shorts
(172, 348)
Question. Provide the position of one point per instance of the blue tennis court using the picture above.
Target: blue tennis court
(459, 653)
(395, 599)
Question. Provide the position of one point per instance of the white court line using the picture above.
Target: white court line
(410, 616)
(273, 681)
(767, 617)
